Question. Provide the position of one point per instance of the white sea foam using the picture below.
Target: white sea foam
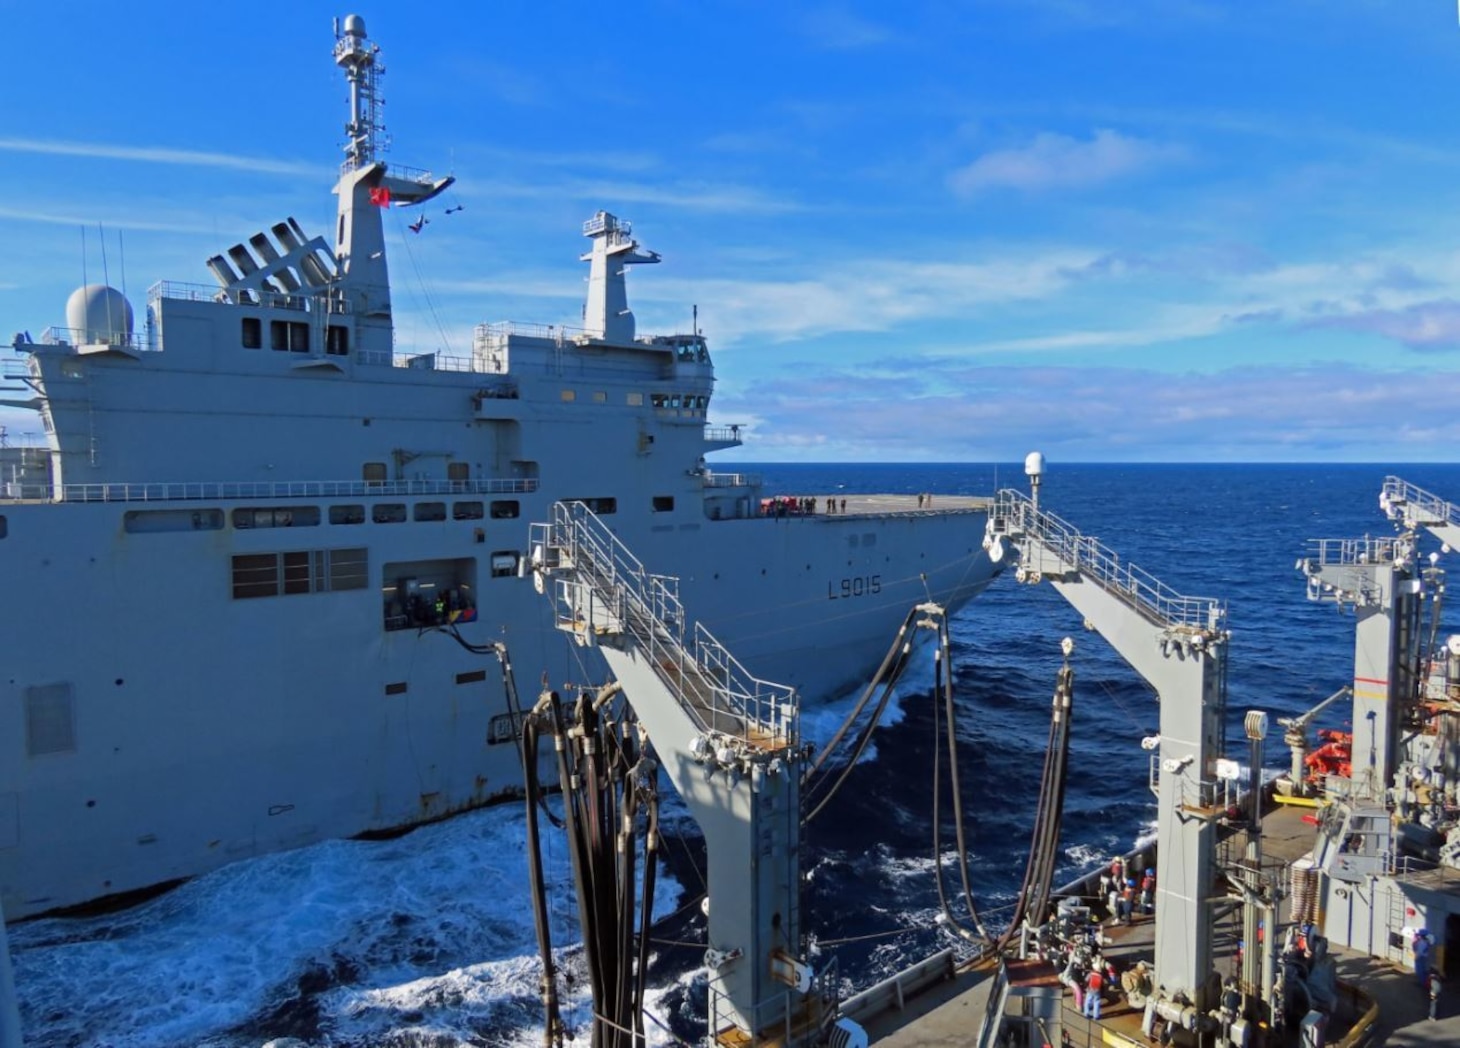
(432, 932)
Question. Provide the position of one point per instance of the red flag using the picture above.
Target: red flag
(380, 196)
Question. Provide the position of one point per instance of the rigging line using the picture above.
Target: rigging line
(425, 290)
(864, 938)
(898, 640)
(863, 742)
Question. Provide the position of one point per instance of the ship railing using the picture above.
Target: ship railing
(1357, 552)
(1417, 507)
(195, 490)
(410, 174)
(496, 334)
(323, 302)
(1014, 514)
(26, 440)
(67, 336)
(709, 682)
(732, 480)
(15, 368)
(723, 434)
(778, 1018)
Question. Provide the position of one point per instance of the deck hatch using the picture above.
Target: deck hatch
(50, 719)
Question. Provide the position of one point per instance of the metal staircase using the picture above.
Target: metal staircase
(1057, 547)
(605, 597)
(730, 745)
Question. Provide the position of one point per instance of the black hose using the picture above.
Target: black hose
(896, 653)
(553, 1026)
(944, 673)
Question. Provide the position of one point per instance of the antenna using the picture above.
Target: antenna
(696, 325)
(84, 281)
(107, 280)
(122, 251)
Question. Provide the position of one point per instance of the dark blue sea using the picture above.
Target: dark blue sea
(426, 940)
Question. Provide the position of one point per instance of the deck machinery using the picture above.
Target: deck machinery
(1388, 847)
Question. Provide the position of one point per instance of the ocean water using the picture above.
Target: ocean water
(427, 940)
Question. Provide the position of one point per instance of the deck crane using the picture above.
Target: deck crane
(731, 746)
(1179, 645)
(1295, 735)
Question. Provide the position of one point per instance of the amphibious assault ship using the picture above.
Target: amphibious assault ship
(256, 533)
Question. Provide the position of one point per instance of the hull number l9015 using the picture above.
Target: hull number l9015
(856, 586)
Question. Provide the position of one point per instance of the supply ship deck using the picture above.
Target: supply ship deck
(1380, 1005)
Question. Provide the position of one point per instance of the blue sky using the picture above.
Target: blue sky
(1165, 230)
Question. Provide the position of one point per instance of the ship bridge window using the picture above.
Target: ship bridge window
(276, 517)
(388, 513)
(634, 400)
(422, 593)
(505, 509)
(291, 335)
(347, 514)
(253, 333)
(467, 511)
(570, 394)
(600, 397)
(141, 521)
(663, 503)
(430, 511)
(4, 527)
(337, 341)
(298, 571)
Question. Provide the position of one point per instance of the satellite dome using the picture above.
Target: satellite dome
(98, 314)
(354, 25)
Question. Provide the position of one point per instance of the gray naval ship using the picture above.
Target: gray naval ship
(254, 527)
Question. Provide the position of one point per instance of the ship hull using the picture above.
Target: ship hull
(157, 726)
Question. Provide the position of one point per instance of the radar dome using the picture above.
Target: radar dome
(1033, 464)
(97, 314)
(354, 25)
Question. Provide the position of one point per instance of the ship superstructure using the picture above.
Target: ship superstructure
(254, 525)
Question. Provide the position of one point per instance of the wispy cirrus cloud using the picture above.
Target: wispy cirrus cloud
(1055, 161)
(1239, 414)
(159, 155)
(838, 29)
(1427, 327)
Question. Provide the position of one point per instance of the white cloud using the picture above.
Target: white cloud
(838, 29)
(1054, 161)
(160, 155)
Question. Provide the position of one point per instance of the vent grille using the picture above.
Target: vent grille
(50, 719)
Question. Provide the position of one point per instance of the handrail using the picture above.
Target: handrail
(710, 684)
(1401, 499)
(194, 490)
(1015, 514)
